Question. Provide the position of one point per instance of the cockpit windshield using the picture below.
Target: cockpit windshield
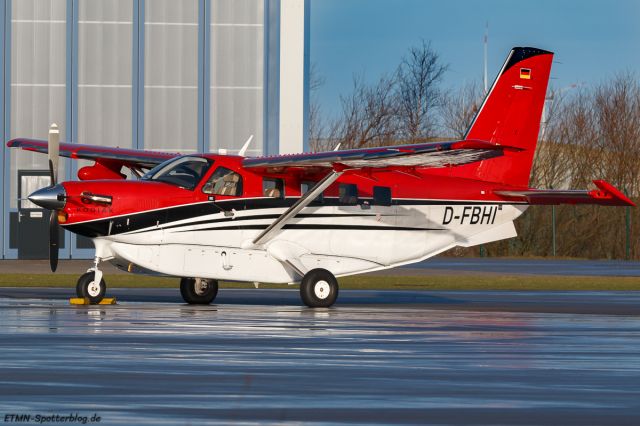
(184, 172)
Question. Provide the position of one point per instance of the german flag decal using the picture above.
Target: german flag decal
(525, 73)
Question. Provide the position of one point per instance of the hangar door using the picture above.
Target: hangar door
(33, 221)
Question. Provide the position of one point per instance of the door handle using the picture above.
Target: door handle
(225, 261)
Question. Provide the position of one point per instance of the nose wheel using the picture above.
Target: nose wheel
(88, 288)
(319, 288)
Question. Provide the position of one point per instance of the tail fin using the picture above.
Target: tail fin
(510, 115)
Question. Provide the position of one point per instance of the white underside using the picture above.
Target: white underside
(200, 251)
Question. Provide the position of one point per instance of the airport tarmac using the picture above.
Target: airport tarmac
(375, 358)
(435, 266)
(517, 266)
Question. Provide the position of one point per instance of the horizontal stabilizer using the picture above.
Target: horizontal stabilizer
(605, 195)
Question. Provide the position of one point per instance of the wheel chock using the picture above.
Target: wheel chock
(85, 301)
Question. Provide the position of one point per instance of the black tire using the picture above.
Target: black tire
(198, 291)
(319, 289)
(86, 289)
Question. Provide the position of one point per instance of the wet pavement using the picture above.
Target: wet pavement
(518, 266)
(375, 358)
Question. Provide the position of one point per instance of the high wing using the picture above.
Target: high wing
(434, 154)
(131, 158)
(334, 163)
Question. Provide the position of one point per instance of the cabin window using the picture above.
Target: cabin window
(348, 194)
(223, 182)
(306, 186)
(273, 187)
(381, 196)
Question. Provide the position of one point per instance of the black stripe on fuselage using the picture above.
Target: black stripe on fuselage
(262, 216)
(138, 222)
(317, 226)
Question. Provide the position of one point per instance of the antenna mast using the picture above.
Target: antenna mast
(486, 42)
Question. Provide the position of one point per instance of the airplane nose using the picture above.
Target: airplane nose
(51, 197)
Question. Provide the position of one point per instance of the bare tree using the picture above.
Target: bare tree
(458, 109)
(368, 115)
(395, 109)
(418, 92)
(594, 134)
(316, 121)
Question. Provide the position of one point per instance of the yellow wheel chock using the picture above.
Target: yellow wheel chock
(85, 301)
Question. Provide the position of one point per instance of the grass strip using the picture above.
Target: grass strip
(367, 282)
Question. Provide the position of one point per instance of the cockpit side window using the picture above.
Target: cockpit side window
(185, 172)
(224, 182)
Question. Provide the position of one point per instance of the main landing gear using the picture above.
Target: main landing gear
(198, 291)
(319, 288)
(91, 286)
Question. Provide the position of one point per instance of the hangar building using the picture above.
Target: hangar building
(171, 75)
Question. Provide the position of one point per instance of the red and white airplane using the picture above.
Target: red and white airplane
(307, 218)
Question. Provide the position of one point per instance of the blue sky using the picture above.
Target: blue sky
(592, 39)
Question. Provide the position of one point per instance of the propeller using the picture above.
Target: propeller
(54, 226)
(54, 237)
(54, 151)
(52, 197)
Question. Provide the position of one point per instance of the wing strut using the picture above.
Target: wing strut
(303, 202)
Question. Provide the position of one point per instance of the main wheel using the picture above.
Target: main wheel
(319, 289)
(87, 288)
(198, 291)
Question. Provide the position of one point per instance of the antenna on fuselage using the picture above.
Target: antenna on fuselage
(337, 146)
(245, 146)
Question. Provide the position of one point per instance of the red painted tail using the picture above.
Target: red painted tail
(510, 115)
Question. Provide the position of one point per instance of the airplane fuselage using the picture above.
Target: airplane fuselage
(360, 223)
(342, 239)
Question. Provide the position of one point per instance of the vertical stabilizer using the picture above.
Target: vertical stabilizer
(510, 115)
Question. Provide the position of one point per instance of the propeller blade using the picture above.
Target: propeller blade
(54, 237)
(54, 150)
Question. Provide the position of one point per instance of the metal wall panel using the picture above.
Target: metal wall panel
(105, 72)
(38, 66)
(237, 74)
(171, 75)
(197, 82)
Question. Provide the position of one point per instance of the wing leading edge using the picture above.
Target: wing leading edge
(132, 158)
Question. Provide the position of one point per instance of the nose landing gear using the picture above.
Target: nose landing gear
(88, 288)
(91, 286)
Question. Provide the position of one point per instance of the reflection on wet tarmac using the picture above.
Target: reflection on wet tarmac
(175, 364)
